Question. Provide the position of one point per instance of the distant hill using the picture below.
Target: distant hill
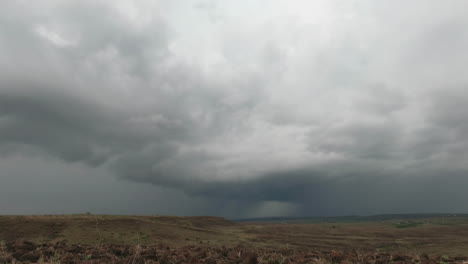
(349, 218)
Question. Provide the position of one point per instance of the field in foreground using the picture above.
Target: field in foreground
(110, 239)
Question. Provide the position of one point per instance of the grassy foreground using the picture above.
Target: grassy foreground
(420, 236)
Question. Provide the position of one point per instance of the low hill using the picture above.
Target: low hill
(98, 229)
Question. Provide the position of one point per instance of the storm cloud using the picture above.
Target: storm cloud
(235, 108)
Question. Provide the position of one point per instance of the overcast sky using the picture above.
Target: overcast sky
(233, 108)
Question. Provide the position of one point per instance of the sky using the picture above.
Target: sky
(248, 108)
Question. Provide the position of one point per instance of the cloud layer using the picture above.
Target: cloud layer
(305, 108)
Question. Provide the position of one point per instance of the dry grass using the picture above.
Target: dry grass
(123, 230)
(437, 236)
(430, 237)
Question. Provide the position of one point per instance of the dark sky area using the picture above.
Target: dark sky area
(244, 108)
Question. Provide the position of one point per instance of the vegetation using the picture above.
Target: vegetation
(432, 236)
(408, 224)
(27, 252)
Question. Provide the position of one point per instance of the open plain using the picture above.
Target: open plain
(168, 239)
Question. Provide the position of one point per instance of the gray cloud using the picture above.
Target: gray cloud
(318, 108)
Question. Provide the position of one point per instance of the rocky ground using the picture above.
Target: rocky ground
(28, 252)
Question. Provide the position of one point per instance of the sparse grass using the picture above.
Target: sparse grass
(420, 236)
(124, 230)
(55, 259)
(426, 238)
(407, 224)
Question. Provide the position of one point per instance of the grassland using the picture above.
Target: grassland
(445, 236)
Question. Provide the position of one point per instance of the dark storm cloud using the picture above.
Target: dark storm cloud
(309, 108)
(65, 125)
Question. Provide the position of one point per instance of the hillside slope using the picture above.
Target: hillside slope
(90, 229)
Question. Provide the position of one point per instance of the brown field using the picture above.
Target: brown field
(443, 239)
